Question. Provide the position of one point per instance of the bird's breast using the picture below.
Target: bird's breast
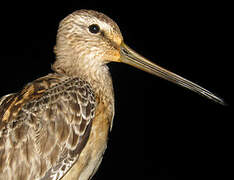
(91, 156)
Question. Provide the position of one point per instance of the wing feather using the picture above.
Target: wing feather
(44, 128)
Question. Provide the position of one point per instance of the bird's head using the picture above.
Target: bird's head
(92, 36)
(87, 40)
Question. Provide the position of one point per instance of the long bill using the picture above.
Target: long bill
(132, 58)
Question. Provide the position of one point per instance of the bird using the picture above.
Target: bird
(56, 127)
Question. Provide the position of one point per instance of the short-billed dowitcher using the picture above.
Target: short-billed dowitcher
(57, 126)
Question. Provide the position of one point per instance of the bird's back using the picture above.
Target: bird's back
(45, 127)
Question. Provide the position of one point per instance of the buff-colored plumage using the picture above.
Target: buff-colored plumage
(59, 123)
(56, 127)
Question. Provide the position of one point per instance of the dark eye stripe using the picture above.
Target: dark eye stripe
(94, 28)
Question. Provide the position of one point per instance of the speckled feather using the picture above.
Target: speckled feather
(48, 124)
(56, 127)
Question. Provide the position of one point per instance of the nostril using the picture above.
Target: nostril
(124, 51)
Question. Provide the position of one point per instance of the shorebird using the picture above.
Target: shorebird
(57, 126)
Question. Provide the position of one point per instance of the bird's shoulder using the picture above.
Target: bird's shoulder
(42, 92)
(53, 115)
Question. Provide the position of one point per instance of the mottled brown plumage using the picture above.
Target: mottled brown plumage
(45, 126)
(56, 127)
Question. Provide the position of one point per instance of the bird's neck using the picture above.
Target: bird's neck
(97, 76)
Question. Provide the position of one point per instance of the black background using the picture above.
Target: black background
(161, 131)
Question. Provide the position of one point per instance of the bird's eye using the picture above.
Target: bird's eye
(94, 28)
